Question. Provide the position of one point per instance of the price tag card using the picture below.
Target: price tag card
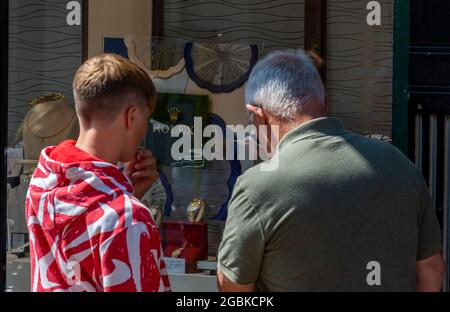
(175, 265)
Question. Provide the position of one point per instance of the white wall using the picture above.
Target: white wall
(117, 18)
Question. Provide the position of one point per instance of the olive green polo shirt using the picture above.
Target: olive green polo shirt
(336, 203)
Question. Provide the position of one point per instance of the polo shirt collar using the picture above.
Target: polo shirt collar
(314, 128)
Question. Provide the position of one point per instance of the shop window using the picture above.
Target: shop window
(199, 54)
(44, 54)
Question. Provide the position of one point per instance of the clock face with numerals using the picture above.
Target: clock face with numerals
(220, 67)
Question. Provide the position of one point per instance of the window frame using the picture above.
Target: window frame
(4, 16)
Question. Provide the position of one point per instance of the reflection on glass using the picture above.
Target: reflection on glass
(44, 53)
(359, 67)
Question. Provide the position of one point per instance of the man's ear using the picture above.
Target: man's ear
(130, 116)
(258, 112)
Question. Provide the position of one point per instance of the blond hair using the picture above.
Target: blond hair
(102, 83)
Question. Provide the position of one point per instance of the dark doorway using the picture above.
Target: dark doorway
(429, 104)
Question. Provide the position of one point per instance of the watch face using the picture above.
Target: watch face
(196, 210)
(156, 200)
(220, 67)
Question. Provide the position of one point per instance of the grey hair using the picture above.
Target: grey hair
(283, 83)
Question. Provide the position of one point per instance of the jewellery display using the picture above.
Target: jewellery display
(223, 68)
(177, 252)
(157, 214)
(212, 181)
(48, 98)
(186, 242)
(196, 210)
(155, 200)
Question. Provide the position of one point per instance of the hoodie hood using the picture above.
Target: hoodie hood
(68, 183)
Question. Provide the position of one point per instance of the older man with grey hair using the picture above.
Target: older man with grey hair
(340, 212)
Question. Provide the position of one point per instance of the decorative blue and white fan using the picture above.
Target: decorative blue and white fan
(220, 67)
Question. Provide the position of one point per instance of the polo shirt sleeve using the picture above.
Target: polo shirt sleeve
(430, 236)
(242, 248)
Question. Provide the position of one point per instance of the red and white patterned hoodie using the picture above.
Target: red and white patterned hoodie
(87, 230)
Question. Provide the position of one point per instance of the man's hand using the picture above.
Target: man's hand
(142, 172)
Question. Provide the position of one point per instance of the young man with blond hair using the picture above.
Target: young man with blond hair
(88, 229)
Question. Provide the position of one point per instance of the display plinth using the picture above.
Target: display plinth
(185, 240)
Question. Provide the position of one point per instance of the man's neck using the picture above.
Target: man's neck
(279, 129)
(285, 128)
(98, 144)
